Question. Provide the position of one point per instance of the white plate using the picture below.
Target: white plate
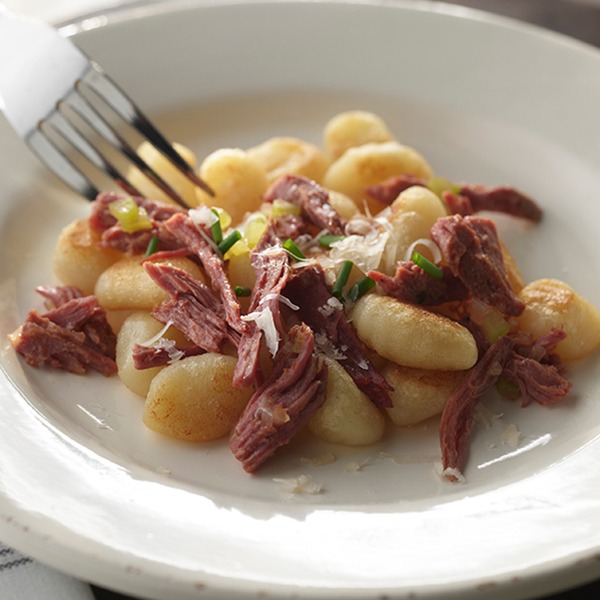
(85, 487)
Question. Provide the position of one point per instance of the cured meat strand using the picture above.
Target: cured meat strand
(74, 337)
(55, 296)
(188, 234)
(335, 336)
(458, 414)
(471, 248)
(311, 197)
(465, 199)
(135, 242)
(537, 370)
(193, 308)
(147, 357)
(503, 199)
(411, 284)
(270, 262)
(281, 407)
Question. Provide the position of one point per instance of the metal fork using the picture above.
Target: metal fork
(63, 104)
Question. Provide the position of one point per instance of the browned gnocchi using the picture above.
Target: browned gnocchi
(334, 289)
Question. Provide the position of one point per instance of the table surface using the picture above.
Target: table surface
(577, 18)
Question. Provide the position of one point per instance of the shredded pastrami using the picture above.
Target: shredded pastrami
(312, 198)
(308, 289)
(270, 262)
(284, 403)
(74, 337)
(471, 248)
(192, 307)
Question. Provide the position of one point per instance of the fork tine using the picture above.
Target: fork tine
(53, 157)
(88, 113)
(62, 126)
(116, 98)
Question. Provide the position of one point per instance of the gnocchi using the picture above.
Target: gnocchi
(194, 400)
(388, 358)
(412, 336)
(125, 285)
(347, 415)
(362, 166)
(353, 128)
(549, 304)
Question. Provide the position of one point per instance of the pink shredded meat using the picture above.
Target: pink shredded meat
(74, 337)
(308, 290)
(471, 248)
(411, 284)
(467, 199)
(55, 296)
(458, 414)
(136, 242)
(537, 370)
(270, 262)
(532, 367)
(147, 357)
(311, 197)
(284, 403)
(189, 235)
(193, 307)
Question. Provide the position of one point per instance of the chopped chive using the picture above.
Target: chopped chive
(342, 279)
(215, 228)
(427, 266)
(152, 245)
(230, 240)
(360, 288)
(241, 291)
(325, 241)
(293, 249)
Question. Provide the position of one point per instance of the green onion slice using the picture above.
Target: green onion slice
(241, 291)
(427, 266)
(215, 229)
(230, 240)
(293, 249)
(325, 241)
(360, 288)
(152, 246)
(342, 279)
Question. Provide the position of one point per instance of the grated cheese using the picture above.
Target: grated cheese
(302, 484)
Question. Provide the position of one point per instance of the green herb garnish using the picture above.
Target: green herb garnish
(427, 266)
(293, 249)
(241, 291)
(215, 228)
(325, 241)
(152, 245)
(360, 288)
(342, 279)
(230, 240)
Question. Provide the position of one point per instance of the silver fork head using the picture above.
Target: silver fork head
(51, 92)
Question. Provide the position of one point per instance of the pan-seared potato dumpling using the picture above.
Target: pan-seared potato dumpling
(347, 416)
(418, 394)
(125, 285)
(413, 336)
(237, 180)
(78, 260)
(353, 128)
(139, 328)
(550, 303)
(167, 171)
(282, 155)
(366, 165)
(194, 400)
